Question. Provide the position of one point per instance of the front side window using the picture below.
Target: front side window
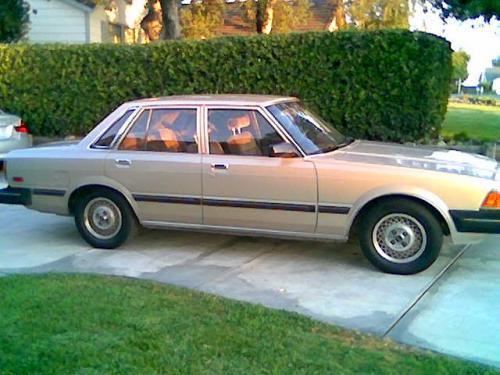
(135, 138)
(240, 132)
(307, 129)
(109, 135)
(163, 130)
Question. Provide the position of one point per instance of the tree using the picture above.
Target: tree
(170, 17)
(201, 19)
(486, 86)
(460, 60)
(162, 20)
(277, 15)
(378, 14)
(14, 20)
(260, 12)
(465, 9)
(289, 15)
(338, 20)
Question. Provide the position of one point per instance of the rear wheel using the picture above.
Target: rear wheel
(104, 219)
(400, 236)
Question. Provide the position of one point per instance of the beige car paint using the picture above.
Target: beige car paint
(345, 178)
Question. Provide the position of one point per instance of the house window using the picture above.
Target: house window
(113, 32)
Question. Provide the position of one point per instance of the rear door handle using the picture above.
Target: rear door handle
(219, 166)
(123, 162)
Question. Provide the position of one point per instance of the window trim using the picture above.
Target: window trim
(126, 129)
(262, 110)
(93, 145)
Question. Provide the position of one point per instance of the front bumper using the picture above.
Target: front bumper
(482, 221)
(11, 195)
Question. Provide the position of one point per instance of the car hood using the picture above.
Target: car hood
(426, 158)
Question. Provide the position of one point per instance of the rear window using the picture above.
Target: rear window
(109, 135)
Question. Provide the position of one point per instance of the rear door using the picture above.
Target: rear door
(244, 185)
(158, 161)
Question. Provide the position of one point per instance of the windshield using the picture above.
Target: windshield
(312, 134)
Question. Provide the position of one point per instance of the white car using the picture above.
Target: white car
(14, 134)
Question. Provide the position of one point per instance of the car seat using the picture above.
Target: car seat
(241, 142)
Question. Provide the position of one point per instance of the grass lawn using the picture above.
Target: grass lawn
(95, 324)
(477, 121)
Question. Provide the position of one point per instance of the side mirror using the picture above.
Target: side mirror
(284, 150)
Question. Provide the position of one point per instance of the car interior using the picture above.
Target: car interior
(240, 132)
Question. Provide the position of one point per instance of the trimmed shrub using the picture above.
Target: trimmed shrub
(385, 85)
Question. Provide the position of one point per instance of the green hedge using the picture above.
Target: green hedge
(386, 85)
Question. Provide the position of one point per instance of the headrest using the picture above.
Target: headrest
(167, 135)
(169, 117)
(238, 122)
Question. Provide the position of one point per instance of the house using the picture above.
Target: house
(492, 75)
(76, 21)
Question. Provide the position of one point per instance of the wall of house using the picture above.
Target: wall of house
(100, 20)
(97, 22)
(56, 21)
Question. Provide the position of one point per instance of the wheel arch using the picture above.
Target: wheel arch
(93, 186)
(434, 207)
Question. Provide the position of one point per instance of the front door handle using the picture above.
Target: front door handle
(123, 162)
(219, 166)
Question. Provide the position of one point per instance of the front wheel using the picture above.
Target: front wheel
(400, 236)
(104, 219)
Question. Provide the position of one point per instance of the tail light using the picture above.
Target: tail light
(22, 128)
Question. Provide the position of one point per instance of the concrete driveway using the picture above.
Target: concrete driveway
(453, 307)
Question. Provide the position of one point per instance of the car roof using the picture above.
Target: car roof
(219, 99)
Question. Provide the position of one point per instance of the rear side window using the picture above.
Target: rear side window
(163, 130)
(110, 134)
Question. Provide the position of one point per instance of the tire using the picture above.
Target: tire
(105, 219)
(400, 236)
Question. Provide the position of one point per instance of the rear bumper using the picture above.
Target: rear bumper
(482, 221)
(11, 195)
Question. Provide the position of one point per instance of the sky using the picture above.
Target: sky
(479, 39)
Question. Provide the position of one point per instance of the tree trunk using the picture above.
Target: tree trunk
(170, 17)
(259, 18)
(338, 21)
(268, 17)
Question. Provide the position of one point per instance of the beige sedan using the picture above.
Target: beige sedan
(260, 166)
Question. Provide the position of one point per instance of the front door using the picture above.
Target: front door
(245, 185)
(158, 161)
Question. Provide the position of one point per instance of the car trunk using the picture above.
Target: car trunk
(7, 125)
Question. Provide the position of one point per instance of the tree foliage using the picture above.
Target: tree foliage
(287, 15)
(466, 9)
(200, 20)
(161, 21)
(379, 14)
(14, 20)
(460, 60)
(290, 15)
